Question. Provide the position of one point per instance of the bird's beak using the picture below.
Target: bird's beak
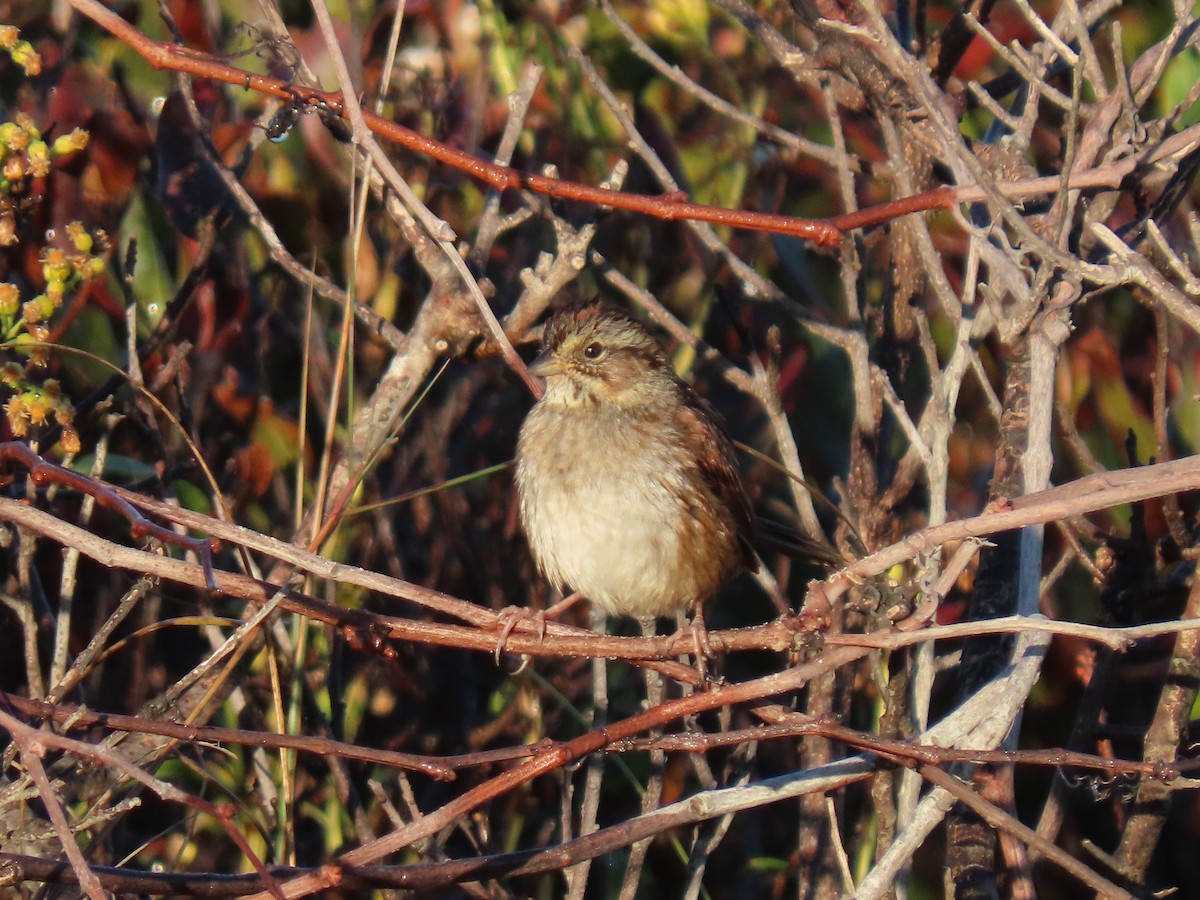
(545, 365)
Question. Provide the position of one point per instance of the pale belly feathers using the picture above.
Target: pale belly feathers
(613, 525)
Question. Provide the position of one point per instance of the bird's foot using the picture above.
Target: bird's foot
(700, 644)
(511, 616)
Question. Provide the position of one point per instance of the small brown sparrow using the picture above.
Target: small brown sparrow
(628, 486)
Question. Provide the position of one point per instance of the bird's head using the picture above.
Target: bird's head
(595, 353)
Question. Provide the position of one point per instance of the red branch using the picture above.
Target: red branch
(669, 207)
(42, 473)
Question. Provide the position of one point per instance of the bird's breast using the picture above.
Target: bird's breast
(612, 508)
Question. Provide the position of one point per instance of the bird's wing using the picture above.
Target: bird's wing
(795, 543)
(704, 429)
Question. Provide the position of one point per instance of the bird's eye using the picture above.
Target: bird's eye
(593, 350)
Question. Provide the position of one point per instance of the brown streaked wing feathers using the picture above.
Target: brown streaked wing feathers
(716, 462)
(795, 543)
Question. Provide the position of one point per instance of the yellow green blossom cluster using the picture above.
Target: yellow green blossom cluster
(22, 52)
(64, 270)
(24, 154)
(27, 322)
(34, 406)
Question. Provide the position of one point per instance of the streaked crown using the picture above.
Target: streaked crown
(603, 354)
(578, 325)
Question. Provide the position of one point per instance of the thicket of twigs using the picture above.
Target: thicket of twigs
(267, 279)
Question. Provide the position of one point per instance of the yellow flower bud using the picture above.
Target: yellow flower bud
(14, 168)
(31, 310)
(80, 239)
(25, 123)
(55, 265)
(10, 299)
(27, 58)
(13, 137)
(18, 417)
(39, 159)
(70, 143)
(37, 406)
